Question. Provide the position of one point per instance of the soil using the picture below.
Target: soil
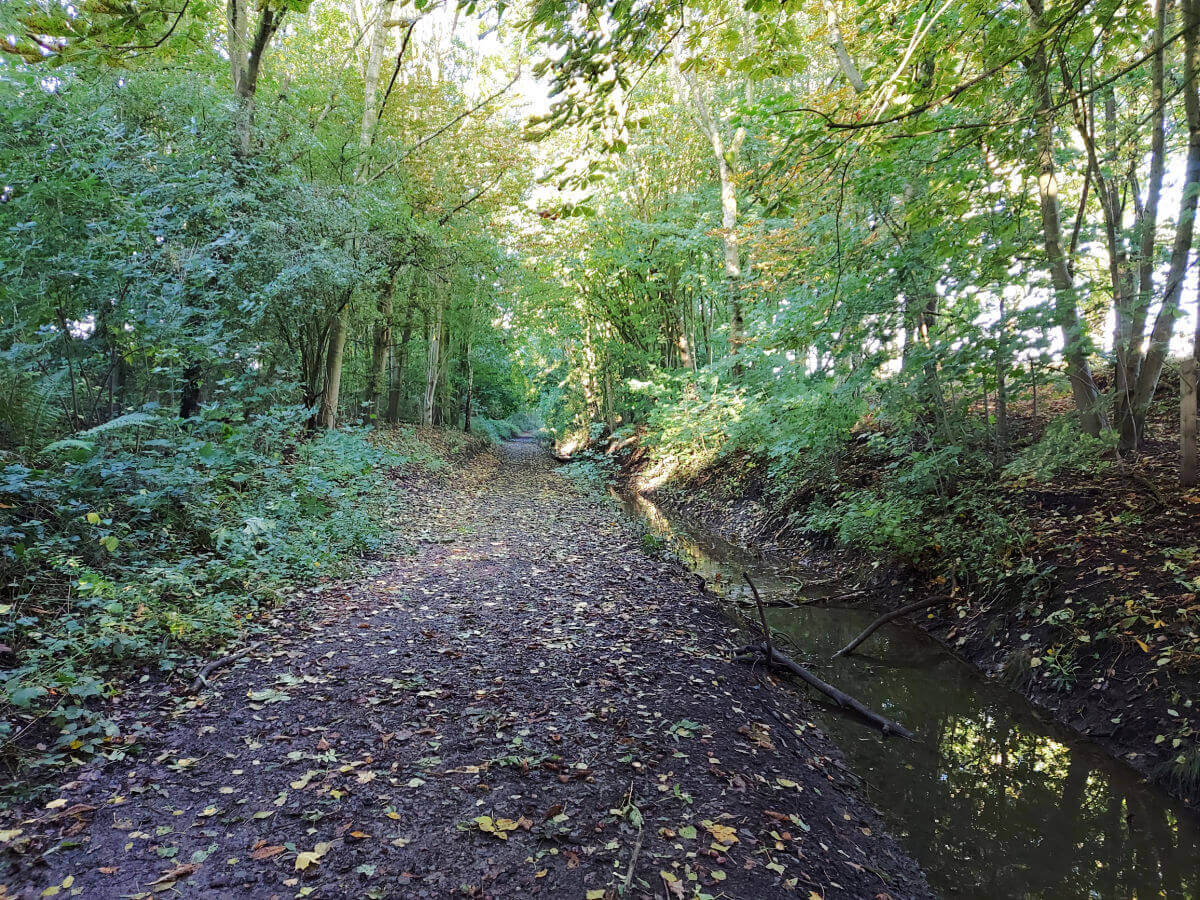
(522, 703)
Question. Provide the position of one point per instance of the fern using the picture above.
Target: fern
(125, 421)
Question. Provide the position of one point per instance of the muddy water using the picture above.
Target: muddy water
(992, 800)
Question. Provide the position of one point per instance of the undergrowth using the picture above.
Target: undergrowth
(135, 545)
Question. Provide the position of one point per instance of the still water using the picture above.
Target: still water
(992, 800)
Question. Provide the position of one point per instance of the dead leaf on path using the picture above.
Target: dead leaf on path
(173, 875)
(267, 852)
(312, 857)
(498, 828)
(722, 834)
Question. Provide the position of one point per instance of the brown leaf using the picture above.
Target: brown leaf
(176, 873)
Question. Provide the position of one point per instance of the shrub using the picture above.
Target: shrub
(140, 541)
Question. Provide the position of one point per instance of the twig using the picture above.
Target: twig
(885, 618)
(202, 675)
(637, 849)
(762, 615)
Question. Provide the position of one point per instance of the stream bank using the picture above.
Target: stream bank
(1094, 617)
(993, 799)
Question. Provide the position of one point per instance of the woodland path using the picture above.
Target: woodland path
(529, 671)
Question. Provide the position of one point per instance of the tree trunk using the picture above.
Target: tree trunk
(399, 364)
(1164, 323)
(189, 396)
(729, 237)
(433, 360)
(380, 346)
(470, 388)
(845, 62)
(245, 61)
(1131, 321)
(370, 116)
(327, 415)
(1083, 388)
(726, 158)
(1002, 363)
(1189, 476)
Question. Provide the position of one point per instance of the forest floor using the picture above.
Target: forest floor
(522, 703)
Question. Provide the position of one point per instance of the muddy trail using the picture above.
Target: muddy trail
(521, 703)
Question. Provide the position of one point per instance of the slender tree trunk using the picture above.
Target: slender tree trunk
(380, 345)
(469, 389)
(1189, 475)
(433, 360)
(245, 61)
(1131, 317)
(336, 348)
(189, 396)
(1002, 363)
(399, 364)
(845, 62)
(726, 156)
(1164, 323)
(370, 116)
(729, 238)
(1083, 388)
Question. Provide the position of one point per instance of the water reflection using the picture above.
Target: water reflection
(992, 800)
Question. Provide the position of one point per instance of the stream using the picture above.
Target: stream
(993, 799)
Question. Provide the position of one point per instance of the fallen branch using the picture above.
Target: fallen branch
(844, 700)
(884, 619)
(762, 615)
(202, 675)
(776, 602)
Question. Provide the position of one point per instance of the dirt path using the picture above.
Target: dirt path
(528, 704)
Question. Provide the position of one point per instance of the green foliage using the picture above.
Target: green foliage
(1062, 449)
(161, 539)
(496, 430)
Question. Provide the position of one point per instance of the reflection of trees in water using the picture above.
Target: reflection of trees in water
(1041, 823)
(990, 804)
(996, 807)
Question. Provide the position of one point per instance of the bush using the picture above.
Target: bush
(1063, 448)
(148, 537)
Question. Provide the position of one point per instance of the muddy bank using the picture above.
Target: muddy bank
(526, 704)
(1143, 714)
(993, 799)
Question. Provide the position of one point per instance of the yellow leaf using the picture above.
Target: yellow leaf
(311, 857)
(1143, 645)
(722, 834)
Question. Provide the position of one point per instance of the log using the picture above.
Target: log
(842, 699)
(202, 676)
(884, 619)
